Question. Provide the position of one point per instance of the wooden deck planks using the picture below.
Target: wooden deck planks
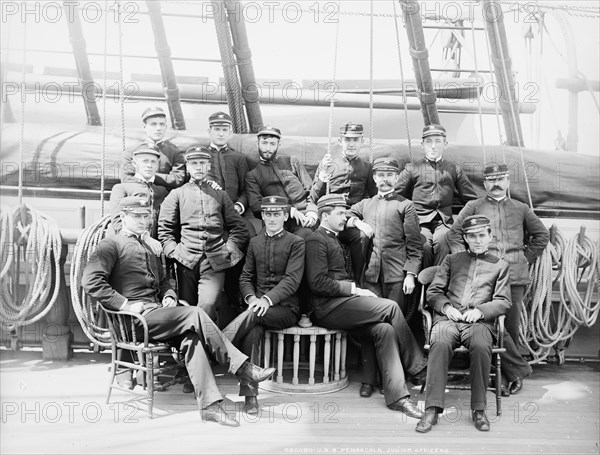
(58, 407)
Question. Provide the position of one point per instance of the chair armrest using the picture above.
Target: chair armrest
(500, 330)
(133, 315)
(427, 323)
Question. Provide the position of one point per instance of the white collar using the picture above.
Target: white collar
(139, 176)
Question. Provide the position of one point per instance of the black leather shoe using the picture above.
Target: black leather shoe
(407, 406)
(366, 390)
(516, 386)
(251, 406)
(504, 388)
(420, 377)
(428, 420)
(381, 391)
(215, 413)
(188, 387)
(254, 373)
(481, 421)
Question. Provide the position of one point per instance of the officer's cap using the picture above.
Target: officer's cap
(197, 152)
(146, 149)
(475, 223)
(351, 130)
(495, 170)
(273, 203)
(386, 164)
(332, 200)
(219, 118)
(434, 130)
(153, 111)
(269, 131)
(135, 204)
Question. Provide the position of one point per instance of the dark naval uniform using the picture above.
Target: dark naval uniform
(286, 177)
(122, 271)
(335, 307)
(191, 227)
(465, 281)
(273, 269)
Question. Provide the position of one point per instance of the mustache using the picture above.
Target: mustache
(495, 187)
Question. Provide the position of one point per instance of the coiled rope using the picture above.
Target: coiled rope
(544, 325)
(30, 246)
(88, 312)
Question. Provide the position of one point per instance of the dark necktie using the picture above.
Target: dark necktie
(220, 167)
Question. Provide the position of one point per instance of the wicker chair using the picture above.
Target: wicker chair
(426, 277)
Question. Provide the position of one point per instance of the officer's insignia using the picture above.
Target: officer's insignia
(272, 200)
(220, 116)
(352, 128)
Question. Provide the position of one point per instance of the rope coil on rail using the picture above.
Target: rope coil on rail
(88, 312)
(544, 325)
(30, 245)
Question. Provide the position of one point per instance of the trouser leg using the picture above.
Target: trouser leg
(427, 235)
(513, 317)
(513, 364)
(199, 370)
(445, 336)
(358, 243)
(187, 283)
(440, 245)
(477, 338)
(210, 286)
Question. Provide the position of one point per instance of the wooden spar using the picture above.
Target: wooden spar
(494, 25)
(82, 63)
(230, 75)
(420, 55)
(241, 49)
(163, 51)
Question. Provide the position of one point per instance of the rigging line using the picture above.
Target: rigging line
(121, 86)
(493, 80)
(22, 139)
(477, 93)
(512, 109)
(327, 158)
(404, 97)
(371, 85)
(103, 154)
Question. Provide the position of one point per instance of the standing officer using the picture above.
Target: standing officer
(123, 275)
(282, 176)
(269, 282)
(339, 303)
(171, 170)
(392, 223)
(467, 294)
(431, 184)
(350, 175)
(519, 238)
(191, 228)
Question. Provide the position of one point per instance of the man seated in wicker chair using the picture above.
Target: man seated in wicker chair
(123, 274)
(469, 291)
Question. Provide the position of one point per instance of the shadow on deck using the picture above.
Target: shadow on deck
(59, 407)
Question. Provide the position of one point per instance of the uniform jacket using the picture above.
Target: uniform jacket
(192, 222)
(263, 181)
(466, 281)
(274, 267)
(432, 185)
(397, 244)
(325, 270)
(236, 168)
(123, 269)
(171, 169)
(351, 177)
(136, 187)
(518, 235)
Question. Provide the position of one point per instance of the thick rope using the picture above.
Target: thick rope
(88, 312)
(121, 85)
(327, 157)
(404, 97)
(30, 245)
(22, 138)
(103, 153)
(543, 324)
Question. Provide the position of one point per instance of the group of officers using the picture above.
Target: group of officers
(188, 209)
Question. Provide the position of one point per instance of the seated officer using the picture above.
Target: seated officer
(122, 274)
(469, 291)
(191, 227)
(171, 170)
(350, 175)
(392, 223)
(271, 276)
(339, 303)
(282, 176)
(431, 184)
